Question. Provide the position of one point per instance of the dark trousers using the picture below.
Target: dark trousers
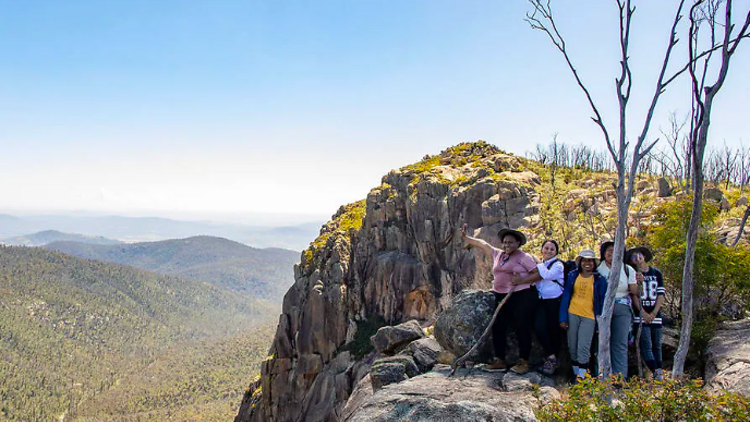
(519, 310)
(547, 325)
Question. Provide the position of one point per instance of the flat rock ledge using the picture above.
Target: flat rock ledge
(728, 365)
(469, 395)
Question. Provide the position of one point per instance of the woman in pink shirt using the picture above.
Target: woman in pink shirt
(507, 263)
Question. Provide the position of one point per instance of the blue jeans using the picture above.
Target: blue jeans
(651, 345)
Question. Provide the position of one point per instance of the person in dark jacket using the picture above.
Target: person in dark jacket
(582, 301)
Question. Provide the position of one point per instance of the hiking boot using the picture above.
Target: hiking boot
(497, 365)
(659, 374)
(549, 367)
(521, 367)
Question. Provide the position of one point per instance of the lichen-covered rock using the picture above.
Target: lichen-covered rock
(713, 194)
(459, 327)
(434, 396)
(390, 338)
(425, 353)
(664, 189)
(728, 364)
(392, 369)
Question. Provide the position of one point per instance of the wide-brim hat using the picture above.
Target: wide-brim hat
(587, 254)
(647, 255)
(515, 233)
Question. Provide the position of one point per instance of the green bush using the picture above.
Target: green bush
(638, 400)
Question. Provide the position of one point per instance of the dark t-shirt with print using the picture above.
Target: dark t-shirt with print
(653, 286)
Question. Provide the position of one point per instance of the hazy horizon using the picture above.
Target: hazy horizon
(229, 108)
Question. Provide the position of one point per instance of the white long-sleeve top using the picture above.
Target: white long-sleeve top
(552, 282)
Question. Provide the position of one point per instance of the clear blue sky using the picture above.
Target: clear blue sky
(205, 107)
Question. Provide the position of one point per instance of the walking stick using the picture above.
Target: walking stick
(484, 336)
(638, 333)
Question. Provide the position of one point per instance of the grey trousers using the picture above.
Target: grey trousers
(580, 334)
(622, 319)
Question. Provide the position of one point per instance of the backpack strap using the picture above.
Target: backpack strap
(549, 267)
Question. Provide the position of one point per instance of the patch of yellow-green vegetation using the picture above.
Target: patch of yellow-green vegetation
(349, 218)
(427, 163)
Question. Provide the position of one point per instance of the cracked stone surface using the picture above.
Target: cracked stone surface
(470, 395)
(728, 365)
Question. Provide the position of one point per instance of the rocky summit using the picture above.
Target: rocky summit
(397, 256)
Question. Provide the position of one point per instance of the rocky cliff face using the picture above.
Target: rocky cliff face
(395, 256)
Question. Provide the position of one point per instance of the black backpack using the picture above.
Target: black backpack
(568, 266)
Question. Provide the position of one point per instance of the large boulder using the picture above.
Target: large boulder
(392, 369)
(459, 327)
(728, 364)
(388, 339)
(713, 194)
(664, 188)
(434, 396)
(425, 353)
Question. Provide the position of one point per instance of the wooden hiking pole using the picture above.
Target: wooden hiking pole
(638, 333)
(484, 336)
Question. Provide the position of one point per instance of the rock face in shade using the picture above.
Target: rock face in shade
(728, 365)
(393, 257)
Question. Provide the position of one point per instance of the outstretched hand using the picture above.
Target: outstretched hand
(463, 231)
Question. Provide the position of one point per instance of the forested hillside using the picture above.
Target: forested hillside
(48, 236)
(71, 329)
(259, 273)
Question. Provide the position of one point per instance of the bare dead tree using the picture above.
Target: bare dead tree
(541, 18)
(742, 226)
(702, 13)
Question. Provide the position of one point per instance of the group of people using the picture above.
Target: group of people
(547, 299)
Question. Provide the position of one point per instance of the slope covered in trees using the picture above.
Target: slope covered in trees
(48, 236)
(71, 329)
(259, 273)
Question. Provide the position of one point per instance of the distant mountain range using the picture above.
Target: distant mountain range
(139, 229)
(258, 273)
(71, 329)
(48, 236)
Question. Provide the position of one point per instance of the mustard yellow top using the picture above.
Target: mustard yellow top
(582, 302)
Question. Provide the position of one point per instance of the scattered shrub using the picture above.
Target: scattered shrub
(639, 400)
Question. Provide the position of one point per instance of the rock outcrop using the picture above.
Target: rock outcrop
(393, 257)
(397, 256)
(471, 395)
(728, 365)
(388, 338)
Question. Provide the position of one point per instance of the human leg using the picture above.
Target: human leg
(524, 308)
(622, 318)
(585, 336)
(499, 329)
(647, 347)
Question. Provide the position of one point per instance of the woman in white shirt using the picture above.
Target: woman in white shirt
(622, 315)
(549, 278)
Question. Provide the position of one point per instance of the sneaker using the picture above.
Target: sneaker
(497, 365)
(659, 374)
(549, 366)
(521, 367)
